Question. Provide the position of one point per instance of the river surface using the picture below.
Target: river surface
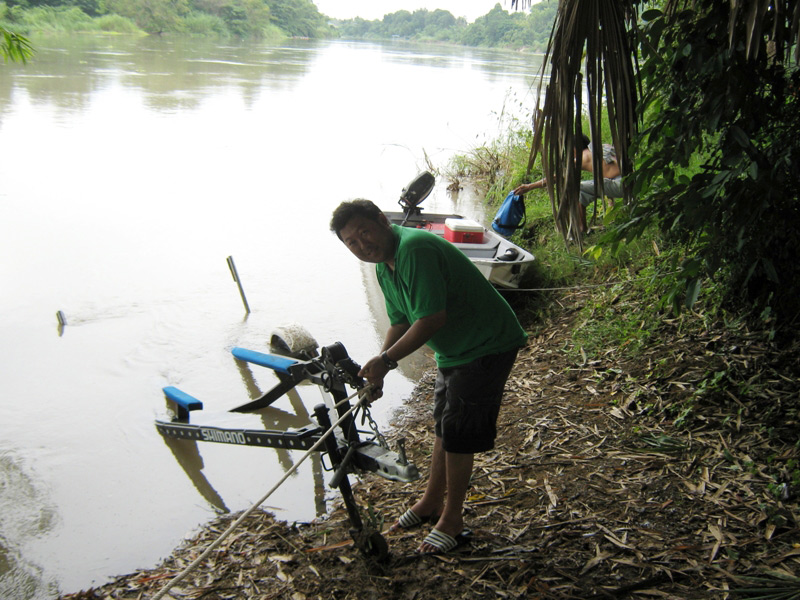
(130, 169)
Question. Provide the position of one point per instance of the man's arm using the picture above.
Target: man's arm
(527, 187)
(414, 337)
(400, 341)
(394, 333)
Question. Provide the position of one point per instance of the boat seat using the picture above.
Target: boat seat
(486, 249)
(277, 363)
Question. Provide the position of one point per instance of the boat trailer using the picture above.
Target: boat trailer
(348, 452)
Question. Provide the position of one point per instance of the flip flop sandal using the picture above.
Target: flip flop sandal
(410, 520)
(444, 542)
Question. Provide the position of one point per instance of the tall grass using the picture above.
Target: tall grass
(49, 19)
(115, 24)
(59, 20)
(271, 34)
(204, 24)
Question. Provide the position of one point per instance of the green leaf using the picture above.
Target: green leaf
(740, 136)
(593, 252)
(692, 292)
(651, 15)
(690, 268)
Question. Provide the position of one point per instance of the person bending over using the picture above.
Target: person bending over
(434, 295)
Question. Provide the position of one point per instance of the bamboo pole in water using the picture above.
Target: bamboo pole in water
(235, 274)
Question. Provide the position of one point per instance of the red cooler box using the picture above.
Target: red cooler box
(463, 231)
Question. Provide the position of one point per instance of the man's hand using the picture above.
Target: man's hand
(374, 372)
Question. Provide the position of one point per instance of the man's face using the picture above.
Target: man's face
(368, 240)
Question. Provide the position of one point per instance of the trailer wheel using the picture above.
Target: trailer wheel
(295, 341)
(376, 547)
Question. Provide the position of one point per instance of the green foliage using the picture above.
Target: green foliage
(13, 46)
(498, 28)
(90, 7)
(271, 34)
(152, 16)
(202, 23)
(273, 19)
(719, 160)
(615, 319)
(115, 24)
(298, 18)
(57, 20)
(420, 25)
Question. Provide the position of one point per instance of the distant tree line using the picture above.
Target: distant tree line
(244, 18)
(270, 18)
(497, 28)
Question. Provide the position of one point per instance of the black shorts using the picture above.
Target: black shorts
(466, 402)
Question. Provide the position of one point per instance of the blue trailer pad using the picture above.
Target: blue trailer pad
(182, 398)
(271, 361)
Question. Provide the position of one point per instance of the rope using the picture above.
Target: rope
(363, 396)
(586, 286)
(572, 287)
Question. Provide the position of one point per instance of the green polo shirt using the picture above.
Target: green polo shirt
(431, 275)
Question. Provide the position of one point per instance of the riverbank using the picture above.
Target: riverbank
(592, 491)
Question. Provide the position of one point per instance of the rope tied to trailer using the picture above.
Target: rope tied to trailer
(363, 399)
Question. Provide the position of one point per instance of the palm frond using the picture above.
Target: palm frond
(776, 21)
(600, 31)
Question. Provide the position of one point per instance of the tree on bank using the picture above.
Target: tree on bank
(298, 18)
(711, 131)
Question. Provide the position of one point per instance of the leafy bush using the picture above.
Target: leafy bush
(200, 23)
(116, 24)
(723, 184)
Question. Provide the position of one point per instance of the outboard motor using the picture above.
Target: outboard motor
(415, 192)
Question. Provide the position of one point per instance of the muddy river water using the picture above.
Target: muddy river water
(130, 169)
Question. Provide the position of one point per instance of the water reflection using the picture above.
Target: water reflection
(26, 513)
(174, 74)
(491, 62)
(279, 420)
(189, 457)
(187, 453)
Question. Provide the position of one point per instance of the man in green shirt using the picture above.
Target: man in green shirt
(435, 295)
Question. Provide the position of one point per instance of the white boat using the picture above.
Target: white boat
(501, 262)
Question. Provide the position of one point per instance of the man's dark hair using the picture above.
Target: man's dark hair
(353, 208)
(586, 142)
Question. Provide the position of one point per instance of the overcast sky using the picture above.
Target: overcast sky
(375, 9)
